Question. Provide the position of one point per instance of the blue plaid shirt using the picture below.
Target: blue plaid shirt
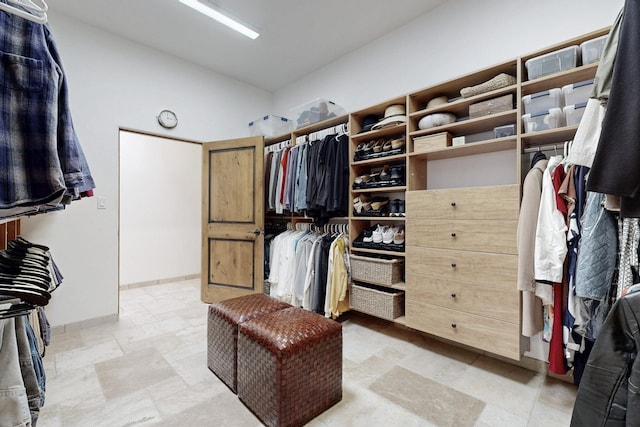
(40, 157)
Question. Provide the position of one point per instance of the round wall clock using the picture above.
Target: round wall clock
(167, 119)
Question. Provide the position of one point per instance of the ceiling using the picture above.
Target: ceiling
(297, 36)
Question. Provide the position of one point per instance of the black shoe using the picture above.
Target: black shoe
(395, 208)
(397, 174)
(401, 207)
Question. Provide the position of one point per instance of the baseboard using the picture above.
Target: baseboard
(159, 281)
(76, 326)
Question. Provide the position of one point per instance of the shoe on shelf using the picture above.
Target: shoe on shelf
(394, 207)
(378, 204)
(378, 232)
(385, 173)
(398, 236)
(397, 173)
(401, 207)
(377, 146)
(359, 154)
(387, 235)
(367, 236)
(398, 143)
(387, 146)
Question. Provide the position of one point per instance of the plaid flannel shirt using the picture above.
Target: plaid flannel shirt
(40, 156)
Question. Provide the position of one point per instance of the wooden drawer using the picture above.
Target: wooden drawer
(492, 202)
(472, 298)
(494, 336)
(497, 270)
(468, 235)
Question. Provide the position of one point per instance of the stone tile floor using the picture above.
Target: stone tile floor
(149, 368)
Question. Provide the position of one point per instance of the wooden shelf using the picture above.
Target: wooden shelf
(471, 149)
(390, 131)
(379, 160)
(399, 286)
(550, 136)
(479, 124)
(377, 251)
(379, 190)
(308, 129)
(460, 106)
(378, 218)
(560, 79)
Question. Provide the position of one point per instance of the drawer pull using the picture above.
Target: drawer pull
(453, 325)
(453, 264)
(453, 234)
(453, 295)
(453, 204)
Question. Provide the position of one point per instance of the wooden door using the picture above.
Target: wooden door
(232, 218)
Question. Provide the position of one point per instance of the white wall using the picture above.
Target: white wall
(160, 205)
(115, 83)
(458, 37)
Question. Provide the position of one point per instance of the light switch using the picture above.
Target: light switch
(102, 203)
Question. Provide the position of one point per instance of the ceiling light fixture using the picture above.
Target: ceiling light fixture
(212, 12)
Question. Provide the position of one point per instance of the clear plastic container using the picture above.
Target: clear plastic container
(592, 49)
(542, 101)
(315, 111)
(553, 62)
(270, 126)
(573, 113)
(577, 93)
(550, 119)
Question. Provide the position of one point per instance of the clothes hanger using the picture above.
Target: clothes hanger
(40, 17)
(29, 4)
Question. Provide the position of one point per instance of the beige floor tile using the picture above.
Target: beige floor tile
(365, 373)
(492, 416)
(193, 369)
(506, 386)
(87, 356)
(430, 400)
(185, 399)
(224, 410)
(131, 372)
(361, 407)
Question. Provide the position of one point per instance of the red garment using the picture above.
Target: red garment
(557, 177)
(557, 363)
(283, 165)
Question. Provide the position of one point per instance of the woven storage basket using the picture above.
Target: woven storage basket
(386, 304)
(498, 82)
(376, 270)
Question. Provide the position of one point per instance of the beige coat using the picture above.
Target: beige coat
(531, 305)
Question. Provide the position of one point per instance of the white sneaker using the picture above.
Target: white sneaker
(387, 235)
(378, 232)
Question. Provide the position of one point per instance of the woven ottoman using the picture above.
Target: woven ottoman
(222, 331)
(289, 366)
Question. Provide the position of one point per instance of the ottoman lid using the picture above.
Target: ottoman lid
(288, 330)
(247, 307)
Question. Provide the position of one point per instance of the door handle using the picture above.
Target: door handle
(257, 231)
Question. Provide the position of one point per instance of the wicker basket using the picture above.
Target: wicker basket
(498, 82)
(387, 304)
(376, 270)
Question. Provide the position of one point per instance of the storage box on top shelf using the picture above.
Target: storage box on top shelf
(315, 111)
(550, 119)
(591, 50)
(542, 101)
(432, 142)
(491, 106)
(573, 113)
(553, 62)
(577, 93)
(270, 126)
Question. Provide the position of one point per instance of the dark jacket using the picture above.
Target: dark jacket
(609, 391)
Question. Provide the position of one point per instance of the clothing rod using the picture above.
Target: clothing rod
(544, 148)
